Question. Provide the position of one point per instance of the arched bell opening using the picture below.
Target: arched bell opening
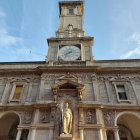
(129, 126)
(8, 126)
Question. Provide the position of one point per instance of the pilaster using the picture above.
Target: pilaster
(41, 93)
(95, 87)
(33, 133)
(28, 98)
(109, 95)
(3, 100)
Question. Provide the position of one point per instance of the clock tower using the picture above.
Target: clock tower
(70, 46)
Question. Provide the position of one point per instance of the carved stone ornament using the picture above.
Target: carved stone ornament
(20, 79)
(94, 77)
(67, 76)
(27, 118)
(44, 116)
(109, 118)
(90, 117)
(113, 78)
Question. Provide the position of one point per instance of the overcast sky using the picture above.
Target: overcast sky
(25, 25)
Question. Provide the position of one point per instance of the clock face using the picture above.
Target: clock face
(69, 53)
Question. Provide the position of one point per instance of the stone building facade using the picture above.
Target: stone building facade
(103, 96)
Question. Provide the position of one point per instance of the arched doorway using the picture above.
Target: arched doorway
(129, 126)
(8, 126)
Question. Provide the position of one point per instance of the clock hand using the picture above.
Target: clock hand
(68, 52)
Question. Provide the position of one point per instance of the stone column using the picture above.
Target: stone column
(36, 118)
(100, 120)
(4, 96)
(95, 87)
(19, 134)
(81, 134)
(116, 133)
(100, 134)
(33, 132)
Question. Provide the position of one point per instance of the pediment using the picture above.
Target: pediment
(68, 84)
(68, 77)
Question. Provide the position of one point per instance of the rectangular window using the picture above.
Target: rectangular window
(71, 11)
(121, 92)
(18, 91)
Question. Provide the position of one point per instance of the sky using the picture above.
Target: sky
(26, 24)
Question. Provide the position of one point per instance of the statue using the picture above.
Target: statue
(66, 119)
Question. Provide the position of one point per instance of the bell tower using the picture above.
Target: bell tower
(71, 19)
(70, 46)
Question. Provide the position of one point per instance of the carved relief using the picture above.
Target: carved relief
(19, 79)
(90, 117)
(26, 117)
(44, 116)
(67, 76)
(118, 77)
(94, 77)
(109, 118)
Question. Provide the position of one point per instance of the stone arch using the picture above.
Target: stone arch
(9, 122)
(126, 112)
(8, 112)
(129, 125)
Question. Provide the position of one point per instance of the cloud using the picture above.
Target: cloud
(136, 37)
(134, 40)
(5, 38)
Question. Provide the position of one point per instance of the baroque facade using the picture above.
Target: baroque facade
(70, 96)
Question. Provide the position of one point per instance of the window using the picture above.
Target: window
(121, 92)
(18, 91)
(71, 11)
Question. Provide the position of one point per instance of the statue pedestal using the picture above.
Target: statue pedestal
(65, 137)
